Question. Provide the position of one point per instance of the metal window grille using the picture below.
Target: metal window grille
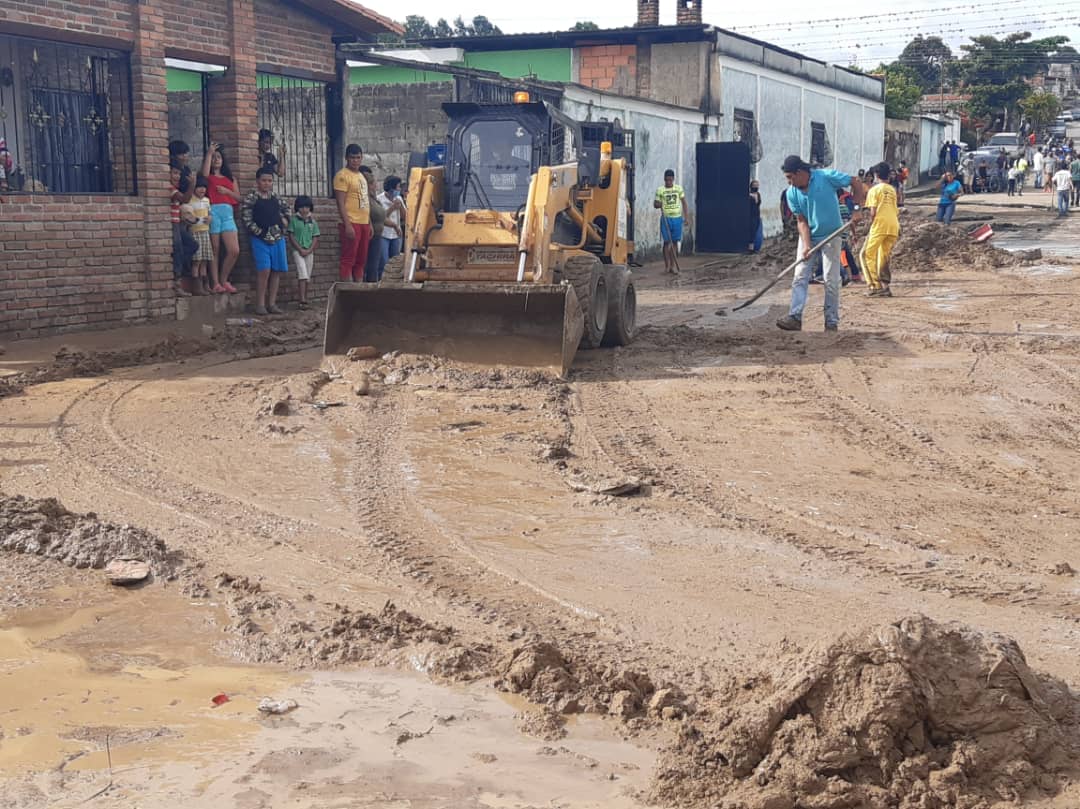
(65, 114)
(820, 148)
(295, 112)
(746, 131)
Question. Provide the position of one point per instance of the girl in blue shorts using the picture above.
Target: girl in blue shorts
(224, 195)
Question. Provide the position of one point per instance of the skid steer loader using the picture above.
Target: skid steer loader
(515, 249)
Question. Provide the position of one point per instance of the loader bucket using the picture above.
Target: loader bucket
(529, 325)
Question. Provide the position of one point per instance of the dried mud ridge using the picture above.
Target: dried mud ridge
(911, 715)
(265, 338)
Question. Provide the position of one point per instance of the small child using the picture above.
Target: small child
(304, 238)
(266, 217)
(1012, 179)
(197, 214)
(182, 249)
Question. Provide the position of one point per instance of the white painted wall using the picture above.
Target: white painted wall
(665, 137)
(784, 107)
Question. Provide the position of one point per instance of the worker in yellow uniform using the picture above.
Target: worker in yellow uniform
(881, 202)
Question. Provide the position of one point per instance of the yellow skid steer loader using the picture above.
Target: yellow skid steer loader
(515, 250)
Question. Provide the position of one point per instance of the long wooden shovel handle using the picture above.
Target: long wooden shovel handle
(795, 263)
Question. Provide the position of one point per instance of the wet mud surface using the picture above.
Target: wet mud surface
(756, 555)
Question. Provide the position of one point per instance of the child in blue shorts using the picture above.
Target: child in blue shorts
(266, 218)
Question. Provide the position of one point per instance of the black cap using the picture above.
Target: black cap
(794, 163)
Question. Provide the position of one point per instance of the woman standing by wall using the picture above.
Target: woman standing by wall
(224, 196)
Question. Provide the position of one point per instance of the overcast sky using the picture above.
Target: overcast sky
(840, 31)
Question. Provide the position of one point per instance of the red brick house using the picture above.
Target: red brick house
(92, 91)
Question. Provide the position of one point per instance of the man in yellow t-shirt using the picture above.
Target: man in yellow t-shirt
(881, 202)
(671, 200)
(351, 195)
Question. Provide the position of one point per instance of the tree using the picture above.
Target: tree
(926, 58)
(1040, 108)
(417, 27)
(584, 25)
(994, 71)
(902, 90)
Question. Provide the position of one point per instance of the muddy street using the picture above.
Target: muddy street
(493, 587)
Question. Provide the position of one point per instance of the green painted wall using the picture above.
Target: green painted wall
(388, 74)
(549, 64)
(182, 81)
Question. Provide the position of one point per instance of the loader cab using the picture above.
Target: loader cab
(494, 149)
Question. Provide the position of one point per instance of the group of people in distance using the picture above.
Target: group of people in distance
(208, 209)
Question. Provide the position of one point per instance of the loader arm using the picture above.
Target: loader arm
(550, 193)
(424, 203)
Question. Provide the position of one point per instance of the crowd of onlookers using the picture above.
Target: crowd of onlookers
(208, 210)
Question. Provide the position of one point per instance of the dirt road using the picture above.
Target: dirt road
(771, 490)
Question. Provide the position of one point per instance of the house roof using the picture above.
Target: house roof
(352, 16)
(573, 39)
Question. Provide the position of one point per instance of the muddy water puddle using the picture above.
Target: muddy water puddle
(137, 667)
(107, 694)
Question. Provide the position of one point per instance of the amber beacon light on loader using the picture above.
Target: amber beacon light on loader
(515, 250)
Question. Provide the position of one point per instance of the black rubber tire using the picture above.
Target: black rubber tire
(586, 274)
(622, 307)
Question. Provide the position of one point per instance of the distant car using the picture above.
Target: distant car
(1067, 116)
(1011, 142)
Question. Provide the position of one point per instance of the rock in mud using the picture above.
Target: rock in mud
(909, 715)
(544, 724)
(277, 707)
(126, 571)
(357, 353)
(363, 385)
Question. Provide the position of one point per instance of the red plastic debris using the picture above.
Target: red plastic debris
(220, 699)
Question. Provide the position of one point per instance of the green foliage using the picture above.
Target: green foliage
(902, 90)
(1040, 108)
(926, 58)
(585, 25)
(418, 27)
(994, 71)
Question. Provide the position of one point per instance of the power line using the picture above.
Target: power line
(907, 14)
(998, 26)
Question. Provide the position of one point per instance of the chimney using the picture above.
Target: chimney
(687, 12)
(648, 12)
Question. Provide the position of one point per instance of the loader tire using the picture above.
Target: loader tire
(395, 269)
(622, 307)
(586, 275)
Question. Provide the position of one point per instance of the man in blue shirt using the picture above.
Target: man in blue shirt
(812, 198)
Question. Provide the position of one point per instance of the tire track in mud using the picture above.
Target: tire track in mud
(611, 414)
(397, 549)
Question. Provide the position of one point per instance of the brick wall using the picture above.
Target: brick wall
(287, 39)
(198, 26)
(101, 18)
(608, 67)
(70, 263)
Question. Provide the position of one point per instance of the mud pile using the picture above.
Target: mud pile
(300, 330)
(45, 528)
(72, 362)
(931, 247)
(910, 715)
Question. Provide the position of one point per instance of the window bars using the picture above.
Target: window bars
(295, 112)
(65, 115)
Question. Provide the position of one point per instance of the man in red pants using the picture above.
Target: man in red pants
(351, 193)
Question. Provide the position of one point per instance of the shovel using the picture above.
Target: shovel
(813, 250)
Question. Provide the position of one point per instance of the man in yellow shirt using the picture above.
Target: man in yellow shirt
(881, 202)
(351, 194)
(671, 200)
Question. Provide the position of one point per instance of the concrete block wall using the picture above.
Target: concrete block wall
(391, 120)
